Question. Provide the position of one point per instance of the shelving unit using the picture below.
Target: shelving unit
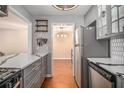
(41, 25)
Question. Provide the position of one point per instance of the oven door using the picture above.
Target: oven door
(96, 80)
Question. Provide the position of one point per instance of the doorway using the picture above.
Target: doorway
(62, 59)
(62, 42)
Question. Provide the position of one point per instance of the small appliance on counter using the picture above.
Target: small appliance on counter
(10, 78)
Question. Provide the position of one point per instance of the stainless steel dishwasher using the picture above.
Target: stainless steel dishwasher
(100, 78)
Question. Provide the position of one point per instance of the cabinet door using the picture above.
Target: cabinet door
(121, 11)
(121, 25)
(117, 14)
(115, 27)
(121, 18)
(114, 13)
(102, 21)
(31, 73)
(104, 15)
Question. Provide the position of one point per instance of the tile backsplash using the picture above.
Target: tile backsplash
(36, 35)
(117, 49)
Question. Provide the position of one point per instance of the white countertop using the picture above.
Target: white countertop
(102, 60)
(20, 61)
(110, 68)
(42, 54)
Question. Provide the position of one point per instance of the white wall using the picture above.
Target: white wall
(91, 15)
(25, 15)
(13, 34)
(13, 41)
(77, 20)
(62, 45)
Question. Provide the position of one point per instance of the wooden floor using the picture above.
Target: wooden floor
(62, 75)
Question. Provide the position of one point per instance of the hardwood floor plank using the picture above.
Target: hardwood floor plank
(62, 77)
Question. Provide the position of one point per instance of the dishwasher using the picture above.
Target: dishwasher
(100, 78)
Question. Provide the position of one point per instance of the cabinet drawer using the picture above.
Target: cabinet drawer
(28, 80)
(36, 82)
(28, 69)
(31, 72)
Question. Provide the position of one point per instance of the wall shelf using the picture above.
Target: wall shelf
(41, 25)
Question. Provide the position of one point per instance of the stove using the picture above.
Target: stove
(10, 77)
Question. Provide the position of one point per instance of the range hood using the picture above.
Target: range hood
(3, 10)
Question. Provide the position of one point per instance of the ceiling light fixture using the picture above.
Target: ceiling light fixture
(65, 7)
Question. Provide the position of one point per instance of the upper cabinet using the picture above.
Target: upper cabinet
(102, 21)
(110, 21)
(117, 15)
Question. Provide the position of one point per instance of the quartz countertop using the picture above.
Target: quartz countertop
(100, 60)
(111, 68)
(21, 60)
(42, 54)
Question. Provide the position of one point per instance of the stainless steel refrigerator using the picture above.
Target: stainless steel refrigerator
(86, 46)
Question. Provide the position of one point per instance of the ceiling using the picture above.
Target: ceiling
(36, 10)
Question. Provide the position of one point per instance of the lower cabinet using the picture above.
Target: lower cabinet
(34, 75)
(44, 67)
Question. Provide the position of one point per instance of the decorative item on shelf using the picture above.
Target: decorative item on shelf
(41, 25)
(41, 41)
(65, 7)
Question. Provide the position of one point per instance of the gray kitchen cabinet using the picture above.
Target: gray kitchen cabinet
(44, 67)
(102, 21)
(32, 75)
(117, 16)
(110, 21)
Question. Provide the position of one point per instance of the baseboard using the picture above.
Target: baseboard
(49, 75)
(61, 58)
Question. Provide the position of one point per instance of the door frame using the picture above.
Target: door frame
(74, 27)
